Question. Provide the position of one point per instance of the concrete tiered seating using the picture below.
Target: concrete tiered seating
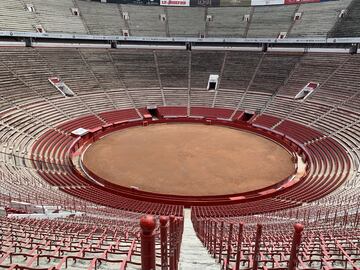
(348, 26)
(321, 16)
(185, 22)
(339, 87)
(11, 87)
(174, 78)
(200, 72)
(15, 17)
(107, 19)
(308, 112)
(53, 165)
(227, 21)
(102, 67)
(254, 101)
(21, 184)
(239, 69)
(70, 67)
(145, 21)
(26, 65)
(273, 72)
(56, 16)
(106, 81)
(270, 21)
(314, 67)
(136, 68)
(101, 19)
(326, 159)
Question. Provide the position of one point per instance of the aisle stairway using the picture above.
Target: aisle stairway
(192, 254)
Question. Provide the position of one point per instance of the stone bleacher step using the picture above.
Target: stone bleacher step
(192, 254)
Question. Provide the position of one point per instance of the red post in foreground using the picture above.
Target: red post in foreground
(172, 244)
(239, 244)
(257, 247)
(147, 224)
(295, 246)
(228, 255)
(164, 242)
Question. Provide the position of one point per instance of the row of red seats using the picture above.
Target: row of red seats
(52, 162)
(86, 242)
(327, 158)
(325, 243)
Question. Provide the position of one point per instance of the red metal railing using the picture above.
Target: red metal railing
(273, 245)
(168, 238)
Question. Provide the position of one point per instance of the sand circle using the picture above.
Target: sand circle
(188, 159)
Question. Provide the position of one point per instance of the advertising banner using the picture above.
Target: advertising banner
(204, 3)
(235, 3)
(175, 3)
(290, 2)
(133, 2)
(266, 2)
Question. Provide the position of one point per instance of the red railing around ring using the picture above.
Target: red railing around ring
(291, 145)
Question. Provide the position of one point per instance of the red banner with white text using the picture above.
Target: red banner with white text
(175, 3)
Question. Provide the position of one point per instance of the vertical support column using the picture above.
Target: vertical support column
(172, 254)
(177, 241)
(206, 234)
(221, 240)
(164, 241)
(228, 255)
(257, 247)
(345, 219)
(293, 261)
(202, 226)
(239, 244)
(210, 236)
(147, 224)
(201, 229)
(335, 218)
(214, 239)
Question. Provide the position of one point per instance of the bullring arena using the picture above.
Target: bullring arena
(188, 159)
(179, 135)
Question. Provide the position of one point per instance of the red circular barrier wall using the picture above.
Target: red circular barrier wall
(54, 157)
(81, 143)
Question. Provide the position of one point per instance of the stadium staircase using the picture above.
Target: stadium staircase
(193, 255)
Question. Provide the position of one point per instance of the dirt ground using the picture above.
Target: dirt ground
(188, 159)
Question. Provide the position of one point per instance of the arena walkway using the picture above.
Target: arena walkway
(192, 254)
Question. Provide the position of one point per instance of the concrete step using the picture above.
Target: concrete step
(192, 254)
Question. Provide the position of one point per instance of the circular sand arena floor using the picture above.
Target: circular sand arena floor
(188, 159)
